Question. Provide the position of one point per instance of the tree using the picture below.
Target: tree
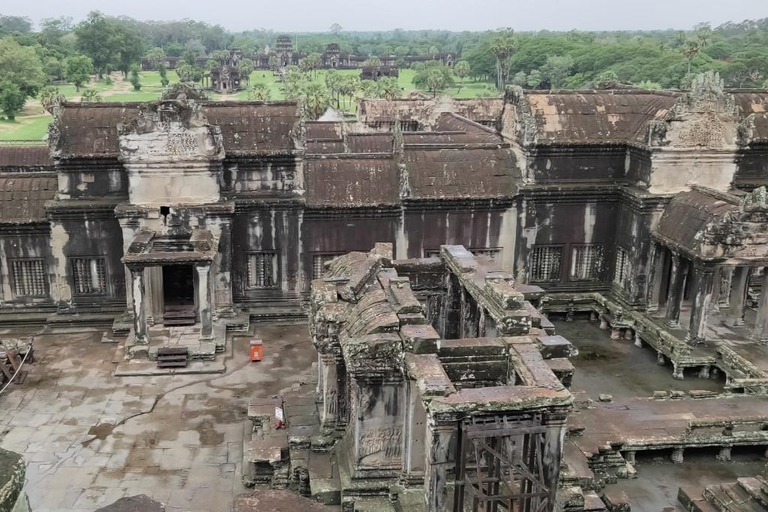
(312, 62)
(534, 79)
(462, 71)
(185, 72)
(433, 51)
(78, 70)
(520, 79)
(418, 66)
(336, 29)
(20, 65)
(155, 56)
(50, 95)
(163, 74)
(333, 83)
(15, 25)
(389, 88)
(90, 96)
(401, 64)
(130, 48)
(372, 62)
(316, 99)
(557, 69)
(245, 67)
(259, 92)
(502, 47)
(97, 37)
(135, 79)
(53, 69)
(434, 78)
(12, 99)
(691, 51)
(274, 62)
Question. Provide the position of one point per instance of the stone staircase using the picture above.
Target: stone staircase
(748, 494)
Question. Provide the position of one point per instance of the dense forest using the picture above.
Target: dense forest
(64, 50)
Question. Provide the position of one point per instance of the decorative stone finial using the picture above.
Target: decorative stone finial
(757, 201)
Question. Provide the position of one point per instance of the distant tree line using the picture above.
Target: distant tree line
(34, 59)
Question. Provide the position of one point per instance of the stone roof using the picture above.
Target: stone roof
(89, 130)
(586, 117)
(23, 196)
(350, 181)
(753, 107)
(370, 142)
(711, 226)
(420, 109)
(25, 158)
(461, 172)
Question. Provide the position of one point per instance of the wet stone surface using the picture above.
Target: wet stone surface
(619, 367)
(90, 438)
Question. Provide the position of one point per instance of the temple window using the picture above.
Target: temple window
(28, 277)
(586, 262)
(491, 253)
(262, 270)
(622, 274)
(89, 276)
(319, 261)
(545, 263)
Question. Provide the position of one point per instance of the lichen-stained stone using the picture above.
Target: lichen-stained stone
(140, 503)
(12, 478)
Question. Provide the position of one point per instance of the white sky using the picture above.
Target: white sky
(318, 15)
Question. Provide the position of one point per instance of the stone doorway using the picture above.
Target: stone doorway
(179, 306)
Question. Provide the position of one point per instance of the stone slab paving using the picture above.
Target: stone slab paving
(90, 438)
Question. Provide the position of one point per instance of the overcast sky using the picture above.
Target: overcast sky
(318, 15)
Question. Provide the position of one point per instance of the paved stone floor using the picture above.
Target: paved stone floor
(90, 438)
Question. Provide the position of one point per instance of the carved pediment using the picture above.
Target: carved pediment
(169, 130)
(706, 116)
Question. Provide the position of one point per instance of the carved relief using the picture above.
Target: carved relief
(381, 444)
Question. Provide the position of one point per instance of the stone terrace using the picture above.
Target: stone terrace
(90, 438)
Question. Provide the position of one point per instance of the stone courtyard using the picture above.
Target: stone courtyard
(90, 438)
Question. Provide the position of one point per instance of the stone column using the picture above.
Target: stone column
(655, 276)
(705, 283)
(437, 452)
(414, 437)
(139, 307)
(761, 322)
(554, 440)
(204, 301)
(676, 290)
(330, 392)
(738, 296)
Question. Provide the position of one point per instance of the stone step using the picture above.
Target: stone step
(755, 487)
(172, 364)
(324, 481)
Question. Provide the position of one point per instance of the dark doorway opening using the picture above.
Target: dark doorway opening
(179, 295)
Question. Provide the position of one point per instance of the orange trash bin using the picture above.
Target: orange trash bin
(257, 347)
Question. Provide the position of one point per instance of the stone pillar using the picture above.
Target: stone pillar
(725, 454)
(554, 440)
(738, 296)
(329, 413)
(705, 282)
(139, 307)
(204, 301)
(677, 456)
(438, 455)
(629, 456)
(676, 290)
(414, 437)
(725, 281)
(655, 277)
(761, 322)
(678, 372)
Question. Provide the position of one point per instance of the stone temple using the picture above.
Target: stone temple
(522, 303)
